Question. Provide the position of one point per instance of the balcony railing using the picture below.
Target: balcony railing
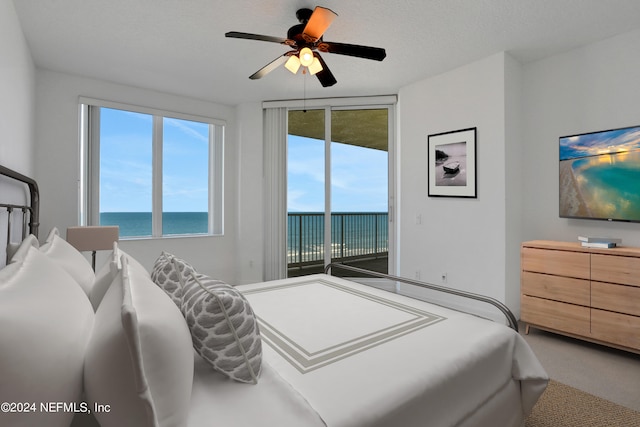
(354, 235)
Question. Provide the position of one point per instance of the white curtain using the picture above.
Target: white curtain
(275, 193)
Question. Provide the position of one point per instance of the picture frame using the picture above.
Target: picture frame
(451, 164)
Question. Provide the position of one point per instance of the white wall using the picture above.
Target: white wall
(514, 196)
(17, 88)
(17, 107)
(520, 111)
(57, 166)
(593, 88)
(465, 238)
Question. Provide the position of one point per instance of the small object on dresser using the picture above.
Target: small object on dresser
(598, 245)
(599, 242)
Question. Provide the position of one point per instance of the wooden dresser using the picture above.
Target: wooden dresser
(587, 293)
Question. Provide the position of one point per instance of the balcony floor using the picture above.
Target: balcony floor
(380, 265)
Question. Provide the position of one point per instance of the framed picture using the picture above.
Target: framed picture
(451, 164)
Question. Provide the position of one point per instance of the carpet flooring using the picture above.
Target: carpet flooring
(564, 406)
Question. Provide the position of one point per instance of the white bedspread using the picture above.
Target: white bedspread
(365, 357)
(219, 401)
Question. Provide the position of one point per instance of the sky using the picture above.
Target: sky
(359, 175)
(592, 144)
(126, 156)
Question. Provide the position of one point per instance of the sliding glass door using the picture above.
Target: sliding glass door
(359, 188)
(338, 189)
(305, 192)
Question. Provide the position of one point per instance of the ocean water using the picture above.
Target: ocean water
(138, 224)
(352, 234)
(608, 184)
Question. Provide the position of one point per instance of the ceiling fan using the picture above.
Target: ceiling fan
(306, 41)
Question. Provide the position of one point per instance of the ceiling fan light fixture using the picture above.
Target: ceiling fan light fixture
(306, 56)
(293, 64)
(305, 40)
(315, 66)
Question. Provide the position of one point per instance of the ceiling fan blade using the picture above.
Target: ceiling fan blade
(248, 36)
(325, 76)
(359, 51)
(320, 20)
(269, 67)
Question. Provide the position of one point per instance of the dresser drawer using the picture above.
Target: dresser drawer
(560, 316)
(618, 298)
(615, 269)
(561, 263)
(558, 288)
(616, 328)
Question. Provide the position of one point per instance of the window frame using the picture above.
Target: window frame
(89, 182)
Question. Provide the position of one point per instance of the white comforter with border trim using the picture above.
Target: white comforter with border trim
(365, 357)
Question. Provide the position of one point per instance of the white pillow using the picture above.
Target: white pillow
(133, 263)
(12, 248)
(107, 273)
(223, 327)
(140, 357)
(45, 325)
(19, 252)
(104, 277)
(68, 257)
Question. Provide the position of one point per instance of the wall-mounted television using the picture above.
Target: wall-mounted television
(600, 175)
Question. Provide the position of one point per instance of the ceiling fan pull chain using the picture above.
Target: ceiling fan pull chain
(304, 92)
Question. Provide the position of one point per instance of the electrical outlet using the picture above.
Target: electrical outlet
(417, 274)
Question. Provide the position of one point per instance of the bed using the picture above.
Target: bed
(134, 347)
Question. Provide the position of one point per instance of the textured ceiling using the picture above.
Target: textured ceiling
(178, 46)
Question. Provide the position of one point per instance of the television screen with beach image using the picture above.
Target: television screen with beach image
(600, 175)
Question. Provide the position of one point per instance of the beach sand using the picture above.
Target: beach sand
(572, 203)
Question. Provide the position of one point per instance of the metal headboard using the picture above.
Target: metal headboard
(30, 210)
(511, 318)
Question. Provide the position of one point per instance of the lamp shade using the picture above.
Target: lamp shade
(93, 238)
(315, 66)
(292, 64)
(306, 56)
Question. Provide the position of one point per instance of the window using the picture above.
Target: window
(152, 173)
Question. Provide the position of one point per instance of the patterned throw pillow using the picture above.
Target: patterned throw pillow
(171, 273)
(223, 328)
